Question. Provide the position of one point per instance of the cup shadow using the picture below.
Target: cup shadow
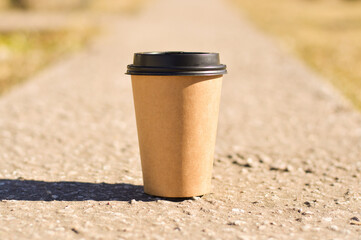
(31, 190)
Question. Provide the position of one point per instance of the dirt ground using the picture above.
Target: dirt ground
(287, 162)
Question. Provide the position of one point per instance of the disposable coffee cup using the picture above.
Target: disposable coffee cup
(176, 99)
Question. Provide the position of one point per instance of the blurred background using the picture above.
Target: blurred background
(325, 34)
(34, 33)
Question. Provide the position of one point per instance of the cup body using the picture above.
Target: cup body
(177, 120)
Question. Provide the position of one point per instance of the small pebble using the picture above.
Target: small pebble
(353, 222)
(307, 213)
(196, 198)
(235, 223)
(236, 210)
(264, 158)
(334, 228)
(133, 201)
(355, 219)
(290, 168)
(327, 219)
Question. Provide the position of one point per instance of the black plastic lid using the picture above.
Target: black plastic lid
(176, 64)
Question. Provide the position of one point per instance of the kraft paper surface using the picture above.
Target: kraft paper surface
(177, 123)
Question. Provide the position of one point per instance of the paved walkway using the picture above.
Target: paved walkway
(11, 21)
(288, 149)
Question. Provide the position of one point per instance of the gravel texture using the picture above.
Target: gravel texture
(288, 154)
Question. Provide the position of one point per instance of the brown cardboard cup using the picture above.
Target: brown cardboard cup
(177, 123)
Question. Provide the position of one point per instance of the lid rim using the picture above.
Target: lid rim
(176, 63)
(176, 74)
(220, 66)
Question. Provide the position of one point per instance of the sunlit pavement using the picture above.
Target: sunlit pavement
(287, 162)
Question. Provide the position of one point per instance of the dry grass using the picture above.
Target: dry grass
(24, 53)
(117, 6)
(325, 33)
(107, 6)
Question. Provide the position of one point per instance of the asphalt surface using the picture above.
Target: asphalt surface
(288, 153)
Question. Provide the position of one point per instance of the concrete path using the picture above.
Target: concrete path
(288, 158)
(11, 21)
